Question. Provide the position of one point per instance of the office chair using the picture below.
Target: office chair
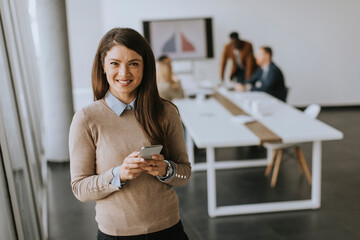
(312, 111)
(287, 90)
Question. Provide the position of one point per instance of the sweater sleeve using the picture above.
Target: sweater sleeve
(177, 150)
(86, 184)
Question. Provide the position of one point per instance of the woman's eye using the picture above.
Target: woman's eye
(114, 63)
(134, 64)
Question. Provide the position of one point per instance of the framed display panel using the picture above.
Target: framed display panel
(183, 39)
(7, 223)
(14, 157)
(20, 122)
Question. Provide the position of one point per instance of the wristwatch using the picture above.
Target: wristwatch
(169, 171)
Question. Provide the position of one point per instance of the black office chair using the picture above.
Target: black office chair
(287, 90)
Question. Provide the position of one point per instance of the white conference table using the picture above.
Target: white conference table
(210, 125)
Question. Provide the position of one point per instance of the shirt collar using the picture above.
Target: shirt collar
(266, 68)
(116, 105)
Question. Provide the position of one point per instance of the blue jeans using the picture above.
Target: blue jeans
(175, 232)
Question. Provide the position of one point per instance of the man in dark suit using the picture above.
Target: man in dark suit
(268, 77)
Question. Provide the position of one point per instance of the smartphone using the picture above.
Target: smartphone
(148, 151)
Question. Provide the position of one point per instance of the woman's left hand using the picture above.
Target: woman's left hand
(156, 166)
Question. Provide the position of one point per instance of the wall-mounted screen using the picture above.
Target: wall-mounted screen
(184, 39)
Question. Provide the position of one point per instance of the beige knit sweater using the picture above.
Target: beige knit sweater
(99, 141)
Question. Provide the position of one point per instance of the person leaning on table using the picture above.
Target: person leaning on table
(242, 57)
(134, 197)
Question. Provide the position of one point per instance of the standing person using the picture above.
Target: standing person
(268, 77)
(168, 86)
(241, 54)
(134, 196)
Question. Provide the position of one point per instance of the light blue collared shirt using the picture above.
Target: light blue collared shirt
(116, 105)
(119, 107)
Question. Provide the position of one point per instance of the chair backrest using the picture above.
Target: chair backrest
(287, 90)
(312, 110)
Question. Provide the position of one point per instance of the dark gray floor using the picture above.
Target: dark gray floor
(338, 217)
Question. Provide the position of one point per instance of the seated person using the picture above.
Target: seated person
(168, 86)
(268, 77)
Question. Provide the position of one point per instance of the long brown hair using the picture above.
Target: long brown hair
(149, 107)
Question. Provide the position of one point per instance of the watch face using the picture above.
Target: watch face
(169, 169)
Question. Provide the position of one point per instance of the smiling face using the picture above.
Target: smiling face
(124, 72)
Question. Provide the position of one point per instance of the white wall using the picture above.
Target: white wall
(315, 43)
(85, 31)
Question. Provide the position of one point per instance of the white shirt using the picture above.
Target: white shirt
(237, 54)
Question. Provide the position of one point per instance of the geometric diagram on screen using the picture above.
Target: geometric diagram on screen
(170, 45)
(186, 45)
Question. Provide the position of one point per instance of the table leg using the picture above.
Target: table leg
(269, 154)
(211, 181)
(313, 203)
(316, 175)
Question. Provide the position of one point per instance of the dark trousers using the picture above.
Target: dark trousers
(239, 74)
(175, 232)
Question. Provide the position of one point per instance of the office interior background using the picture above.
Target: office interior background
(47, 48)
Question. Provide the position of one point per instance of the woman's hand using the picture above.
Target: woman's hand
(156, 166)
(132, 167)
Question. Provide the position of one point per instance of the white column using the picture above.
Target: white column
(55, 78)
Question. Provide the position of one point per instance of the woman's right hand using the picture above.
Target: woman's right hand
(131, 168)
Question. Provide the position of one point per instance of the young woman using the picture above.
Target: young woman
(169, 87)
(134, 196)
